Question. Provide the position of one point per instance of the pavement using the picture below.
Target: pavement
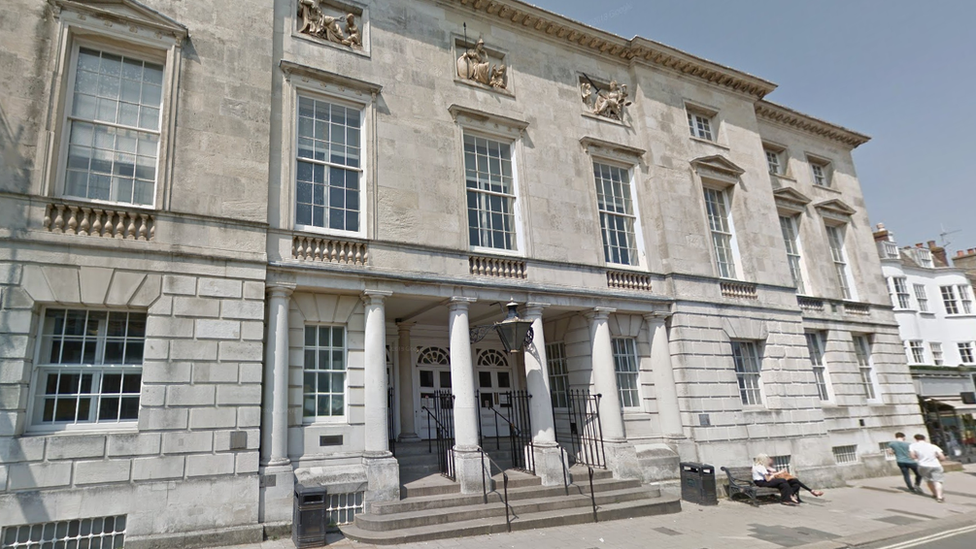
(869, 513)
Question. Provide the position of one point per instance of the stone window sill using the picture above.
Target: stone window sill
(707, 142)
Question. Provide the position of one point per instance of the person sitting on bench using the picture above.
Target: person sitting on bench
(789, 486)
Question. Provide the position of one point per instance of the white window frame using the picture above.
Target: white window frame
(922, 298)
(625, 355)
(748, 372)
(950, 300)
(327, 164)
(901, 298)
(794, 255)
(865, 363)
(773, 162)
(915, 349)
(821, 173)
(938, 355)
(513, 197)
(817, 349)
(966, 298)
(98, 369)
(726, 233)
(836, 237)
(638, 234)
(325, 419)
(701, 123)
(845, 455)
(967, 352)
(558, 374)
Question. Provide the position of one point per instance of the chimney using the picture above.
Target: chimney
(881, 234)
(938, 254)
(966, 261)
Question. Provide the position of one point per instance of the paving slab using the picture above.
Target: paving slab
(860, 515)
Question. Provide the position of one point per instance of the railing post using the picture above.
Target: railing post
(592, 495)
(508, 519)
(484, 484)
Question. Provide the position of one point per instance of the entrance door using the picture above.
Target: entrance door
(494, 374)
(434, 372)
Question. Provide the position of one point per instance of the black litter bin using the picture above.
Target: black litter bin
(698, 484)
(310, 519)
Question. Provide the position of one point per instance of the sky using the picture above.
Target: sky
(901, 71)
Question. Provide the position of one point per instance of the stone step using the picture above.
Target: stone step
(525, 521)
(496, 507)
(429, 485)
(429, 503)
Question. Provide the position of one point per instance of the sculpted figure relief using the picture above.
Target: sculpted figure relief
(474, 65)
(608, 103)
(316, 23)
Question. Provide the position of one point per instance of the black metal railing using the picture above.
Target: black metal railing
(592, 493)
(519, 424)
(509, 510)
(443, 417)
(585, 429)
(389, 417)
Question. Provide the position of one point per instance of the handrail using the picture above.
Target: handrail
(484, 486)
(592, 494)
(440, 426)
(562, 462)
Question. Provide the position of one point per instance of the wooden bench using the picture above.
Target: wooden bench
(740, 482)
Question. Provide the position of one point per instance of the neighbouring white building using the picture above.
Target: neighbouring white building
(247, 244)
(934, 306)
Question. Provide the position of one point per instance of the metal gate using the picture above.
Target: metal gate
(391, 426)
(519, 429)
(585, 429)
(441, 418)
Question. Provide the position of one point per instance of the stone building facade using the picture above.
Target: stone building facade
(375, 180)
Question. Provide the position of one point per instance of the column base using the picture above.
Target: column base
(549, 464)
(276, 493)
(382, 478)
(622, 460)
(658, 462)
(473, 474)
(408, 437)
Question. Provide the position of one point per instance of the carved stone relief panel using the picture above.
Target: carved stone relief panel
(331, 21)
(476, 63)
(607, 100)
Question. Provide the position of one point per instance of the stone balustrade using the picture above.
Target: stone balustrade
(739, 290)
(862, 309)
(90, 220)
(810, 303)
(497, 267)
(629, 281)
(329, 250)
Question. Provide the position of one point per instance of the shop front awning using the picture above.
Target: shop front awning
(957, 404)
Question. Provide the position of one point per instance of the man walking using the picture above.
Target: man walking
(901, 449)
(929, 458)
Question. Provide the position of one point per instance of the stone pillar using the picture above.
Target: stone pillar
(382, 470)
(467, 455)
(408, 428)
(604, 374)
(666, 392)
(274, 424)
(277, 478)
(621, 455)
(546, 454)
(376, 415)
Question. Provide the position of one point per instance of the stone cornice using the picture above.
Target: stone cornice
(808, 124)
(128, 12)
(313, 73)
(604, 43)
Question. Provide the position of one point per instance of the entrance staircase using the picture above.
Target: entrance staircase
(432, 507)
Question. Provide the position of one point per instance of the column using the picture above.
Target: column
(274, 424)
(548, 458)
(537, 379)
(277, 477)
(604, 374)
(468, 465)
(377, 415)
(408, 432)
(382, 469)
(462, 376)
(666, 392)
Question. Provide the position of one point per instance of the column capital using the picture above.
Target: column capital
(405, 326)
(600, 313)
(375, 297)
(657, 316)
(460, 303)
(533, 309)
(280, 289)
